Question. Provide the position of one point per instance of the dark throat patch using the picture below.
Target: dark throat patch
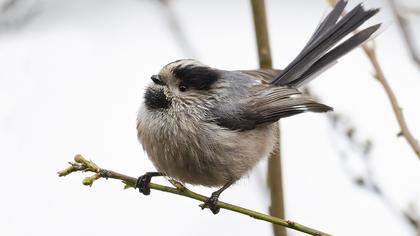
(155, 98)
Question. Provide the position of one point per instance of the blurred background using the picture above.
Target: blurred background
(72, 77)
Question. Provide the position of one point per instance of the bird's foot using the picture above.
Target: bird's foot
(211, 203)
(143, 182)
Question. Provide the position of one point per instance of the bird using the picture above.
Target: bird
(205, 126)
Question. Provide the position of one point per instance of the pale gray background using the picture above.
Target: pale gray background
(71, 80)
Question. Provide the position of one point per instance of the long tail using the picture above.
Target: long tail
(319, 53)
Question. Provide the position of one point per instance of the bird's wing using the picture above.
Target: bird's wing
(263, 75)
(265, 104)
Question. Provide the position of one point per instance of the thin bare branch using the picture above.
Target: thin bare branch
(406, 32)
(410, 11)
(261, 33)
(177, 29)
(380, 77)
(81, 164)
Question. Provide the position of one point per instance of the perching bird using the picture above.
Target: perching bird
(210, 127)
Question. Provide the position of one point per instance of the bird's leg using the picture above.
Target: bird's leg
(212, 200)
(143, 181)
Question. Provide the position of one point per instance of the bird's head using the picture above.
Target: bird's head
(181, 83)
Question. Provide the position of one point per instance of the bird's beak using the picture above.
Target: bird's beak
(157, 80)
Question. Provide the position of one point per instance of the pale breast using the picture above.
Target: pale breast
(200, 153)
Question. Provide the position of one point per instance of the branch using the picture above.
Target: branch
(83, 165)
(274, 174)
(17, 13)
(405, 31)
(177, 30)
(410, 11)
(380, 77)
(261, 33)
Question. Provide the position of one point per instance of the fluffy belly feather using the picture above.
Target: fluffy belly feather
(203, 155)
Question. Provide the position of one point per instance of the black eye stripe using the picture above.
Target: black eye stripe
(197, 77)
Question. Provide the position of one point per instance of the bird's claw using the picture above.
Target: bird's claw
(211, 204)
(142, 184)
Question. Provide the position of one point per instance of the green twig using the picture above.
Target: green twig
(84, 165)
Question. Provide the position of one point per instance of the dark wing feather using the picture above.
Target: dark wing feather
(337, 52)
(328, 22)
(276, 102)
(263, 106)
(330, 32)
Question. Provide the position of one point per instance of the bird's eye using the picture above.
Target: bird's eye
(183, 88)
